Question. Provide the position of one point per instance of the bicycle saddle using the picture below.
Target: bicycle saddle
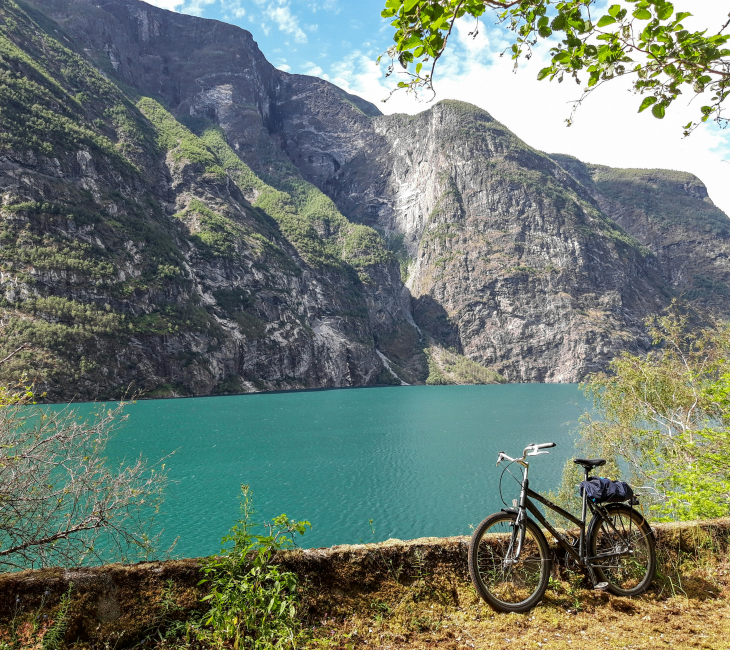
(589, 463)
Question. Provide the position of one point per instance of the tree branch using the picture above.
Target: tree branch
(14, 352)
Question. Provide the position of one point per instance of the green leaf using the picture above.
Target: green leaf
(613, 10)
(606, 20)
(558, 23)
(665, 11)
(642, 14)
(409, 4)
(648, 101)
(658, 111)
(545, 72)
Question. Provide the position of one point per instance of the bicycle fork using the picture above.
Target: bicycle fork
(519, 527)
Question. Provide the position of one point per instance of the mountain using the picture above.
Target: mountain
(180, 217)
(672, 214)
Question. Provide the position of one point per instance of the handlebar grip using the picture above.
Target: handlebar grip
(545, 445)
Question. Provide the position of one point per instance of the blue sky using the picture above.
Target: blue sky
(299, 36)
(339, 40)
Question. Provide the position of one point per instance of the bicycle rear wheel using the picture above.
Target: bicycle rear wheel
(508, 585)
(631, 573)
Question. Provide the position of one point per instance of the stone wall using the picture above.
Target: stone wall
(127, 602)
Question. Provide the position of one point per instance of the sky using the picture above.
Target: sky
(339, 40)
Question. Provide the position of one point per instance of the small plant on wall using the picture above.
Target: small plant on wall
(252, 602)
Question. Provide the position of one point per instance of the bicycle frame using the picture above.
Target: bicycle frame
(525, 505)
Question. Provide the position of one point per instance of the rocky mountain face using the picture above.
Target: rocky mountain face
(180, 217)
(671, 213)
(511, 260)
(140, 256)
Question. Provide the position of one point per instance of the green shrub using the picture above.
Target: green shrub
(252, 602)
(180, 141)
(663, 421)
(217, 235)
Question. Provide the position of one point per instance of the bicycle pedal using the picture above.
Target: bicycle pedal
(600, 586)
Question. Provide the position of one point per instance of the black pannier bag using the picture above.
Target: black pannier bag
(604, 490)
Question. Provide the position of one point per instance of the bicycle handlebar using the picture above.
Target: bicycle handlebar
(533, 450)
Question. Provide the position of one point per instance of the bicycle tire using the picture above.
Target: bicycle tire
(629, 575)
(518, 588)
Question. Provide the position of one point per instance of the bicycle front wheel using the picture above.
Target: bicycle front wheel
(627, 535)
(506, 584)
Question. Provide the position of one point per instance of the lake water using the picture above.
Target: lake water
(419, 461)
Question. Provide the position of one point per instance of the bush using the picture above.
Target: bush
(663, 421)
(62, 503)
(252, 601)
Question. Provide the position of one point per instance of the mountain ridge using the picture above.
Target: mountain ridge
(242, 228)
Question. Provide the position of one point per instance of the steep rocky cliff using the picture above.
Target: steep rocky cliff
(181, 216)
(512, 260)
(137, 255)
(671, 213)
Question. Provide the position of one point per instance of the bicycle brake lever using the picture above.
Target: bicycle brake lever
(537, 453)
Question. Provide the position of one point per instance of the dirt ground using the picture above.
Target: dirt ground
(692, 614)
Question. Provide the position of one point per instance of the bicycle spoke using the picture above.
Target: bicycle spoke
(509, 580)
(623, 536)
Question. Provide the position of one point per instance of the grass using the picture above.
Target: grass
(453, 618)
(416, 595)
(687, 607)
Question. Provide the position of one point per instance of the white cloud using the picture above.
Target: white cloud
(194, 7)
(607, 130)
(314, 70)
(171, 5)
(286, 21)
(327, 5)
(232, 9)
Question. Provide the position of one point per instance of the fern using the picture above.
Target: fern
(54, 637)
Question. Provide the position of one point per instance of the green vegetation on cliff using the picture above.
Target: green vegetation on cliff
(52, 99)
(119, 223)
(307, 217)
(448, 367)
(178, 140)
(668, 198)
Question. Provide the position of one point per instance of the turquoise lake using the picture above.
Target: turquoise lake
(419, 461)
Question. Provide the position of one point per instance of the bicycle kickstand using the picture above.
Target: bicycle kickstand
(597, 586)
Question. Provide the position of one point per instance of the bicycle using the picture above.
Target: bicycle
(509, 558)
